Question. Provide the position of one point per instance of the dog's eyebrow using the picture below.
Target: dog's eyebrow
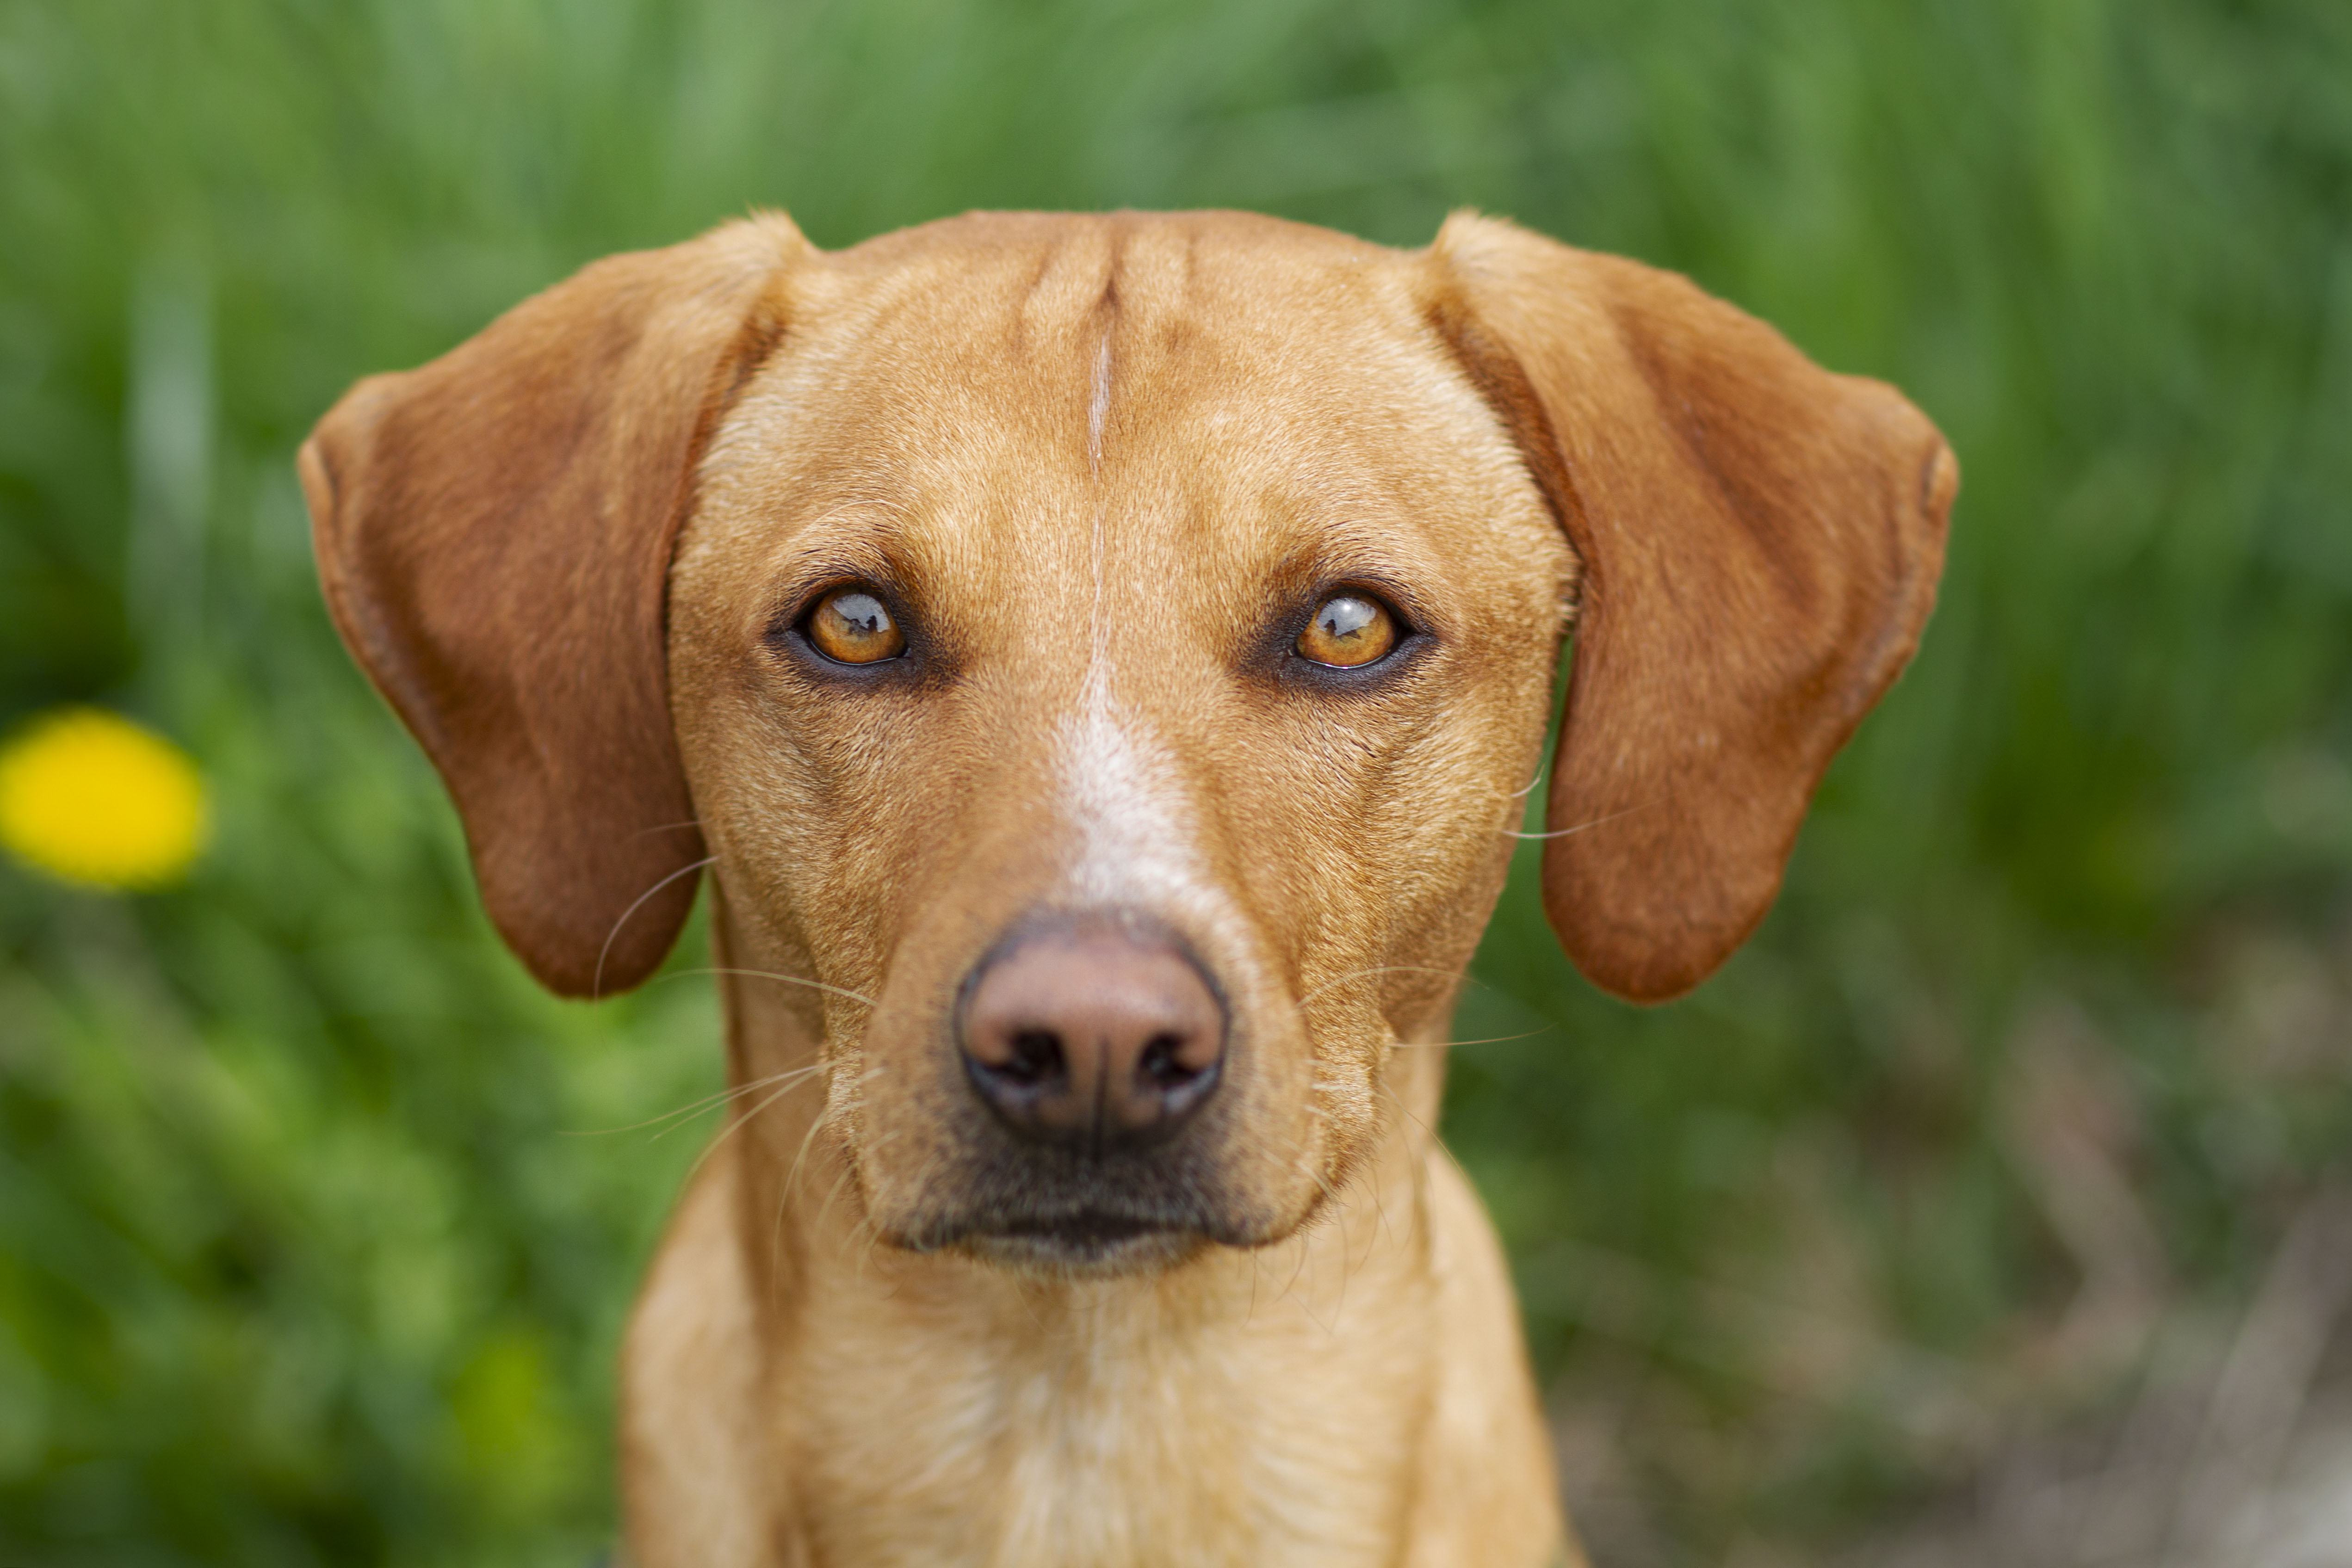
(875, 556)
(833, 528)
(898, 514)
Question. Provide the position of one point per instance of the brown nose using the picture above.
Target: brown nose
(1093, 1036)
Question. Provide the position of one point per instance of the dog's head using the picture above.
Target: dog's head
(1105, 657)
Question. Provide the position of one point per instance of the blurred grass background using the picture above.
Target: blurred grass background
(309, 1250)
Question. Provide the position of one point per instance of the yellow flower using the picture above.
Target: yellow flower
(91, 797)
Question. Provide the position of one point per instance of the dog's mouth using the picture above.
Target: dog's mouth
(1084, 1242)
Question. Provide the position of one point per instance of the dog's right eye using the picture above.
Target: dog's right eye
(850, 626)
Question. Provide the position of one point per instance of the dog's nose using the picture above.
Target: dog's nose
(1093, 1038)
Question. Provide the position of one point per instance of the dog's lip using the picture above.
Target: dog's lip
(1088, 1243)
(1086, 1227)
(1084, 1231)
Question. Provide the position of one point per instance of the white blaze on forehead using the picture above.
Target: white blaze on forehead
(1123, 791)
(1098, 403)
(1120, 785)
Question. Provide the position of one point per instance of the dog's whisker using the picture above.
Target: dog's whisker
(1358, 1180)
(787, 1081)
(1347, 1275)
(792, 1175)
(747, 1117)
(1023, 1294)
(1580, 827)
(1305, 1303)
(824, 1210)
(596, 982)
(1406, 1110)
(1306, 1240)
(740, 1123)
(784, 1197)
(1421, 1199)
(707, 1102)
(1448, 1044)
(695, 823)
(1436, 1149)
(789, 979)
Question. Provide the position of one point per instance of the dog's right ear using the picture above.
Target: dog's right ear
(493, 533)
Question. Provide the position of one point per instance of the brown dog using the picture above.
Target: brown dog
(1100, 659)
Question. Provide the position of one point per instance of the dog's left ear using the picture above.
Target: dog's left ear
(494, 534)
(1759, 541)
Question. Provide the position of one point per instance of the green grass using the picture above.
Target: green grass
(299, 1259)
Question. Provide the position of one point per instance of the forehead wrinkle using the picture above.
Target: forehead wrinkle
(939, 351)
(1319, 388)
(1068, 279)
(950, 456)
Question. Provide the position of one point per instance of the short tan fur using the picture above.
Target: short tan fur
(1103, 470)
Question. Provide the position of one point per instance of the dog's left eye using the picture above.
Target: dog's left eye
(1348, 629)
(850, 626)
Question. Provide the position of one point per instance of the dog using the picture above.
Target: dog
(1099, 662)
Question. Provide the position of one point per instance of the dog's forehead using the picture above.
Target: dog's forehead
(1191, 383)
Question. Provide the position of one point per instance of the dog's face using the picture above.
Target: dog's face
(1205, 607)
(1105, 657)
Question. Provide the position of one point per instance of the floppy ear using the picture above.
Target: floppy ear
(1759, 541)
(494, 534)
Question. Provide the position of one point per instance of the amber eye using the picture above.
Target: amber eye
(850, 626)
(1348, 631)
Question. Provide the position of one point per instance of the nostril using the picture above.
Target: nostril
(1163, 1063)
(1037, 1056)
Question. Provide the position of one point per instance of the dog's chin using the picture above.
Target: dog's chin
(1080, 1246)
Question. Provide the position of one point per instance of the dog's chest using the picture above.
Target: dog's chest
(1117, 1440)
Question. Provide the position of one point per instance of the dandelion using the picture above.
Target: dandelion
(89, 797)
